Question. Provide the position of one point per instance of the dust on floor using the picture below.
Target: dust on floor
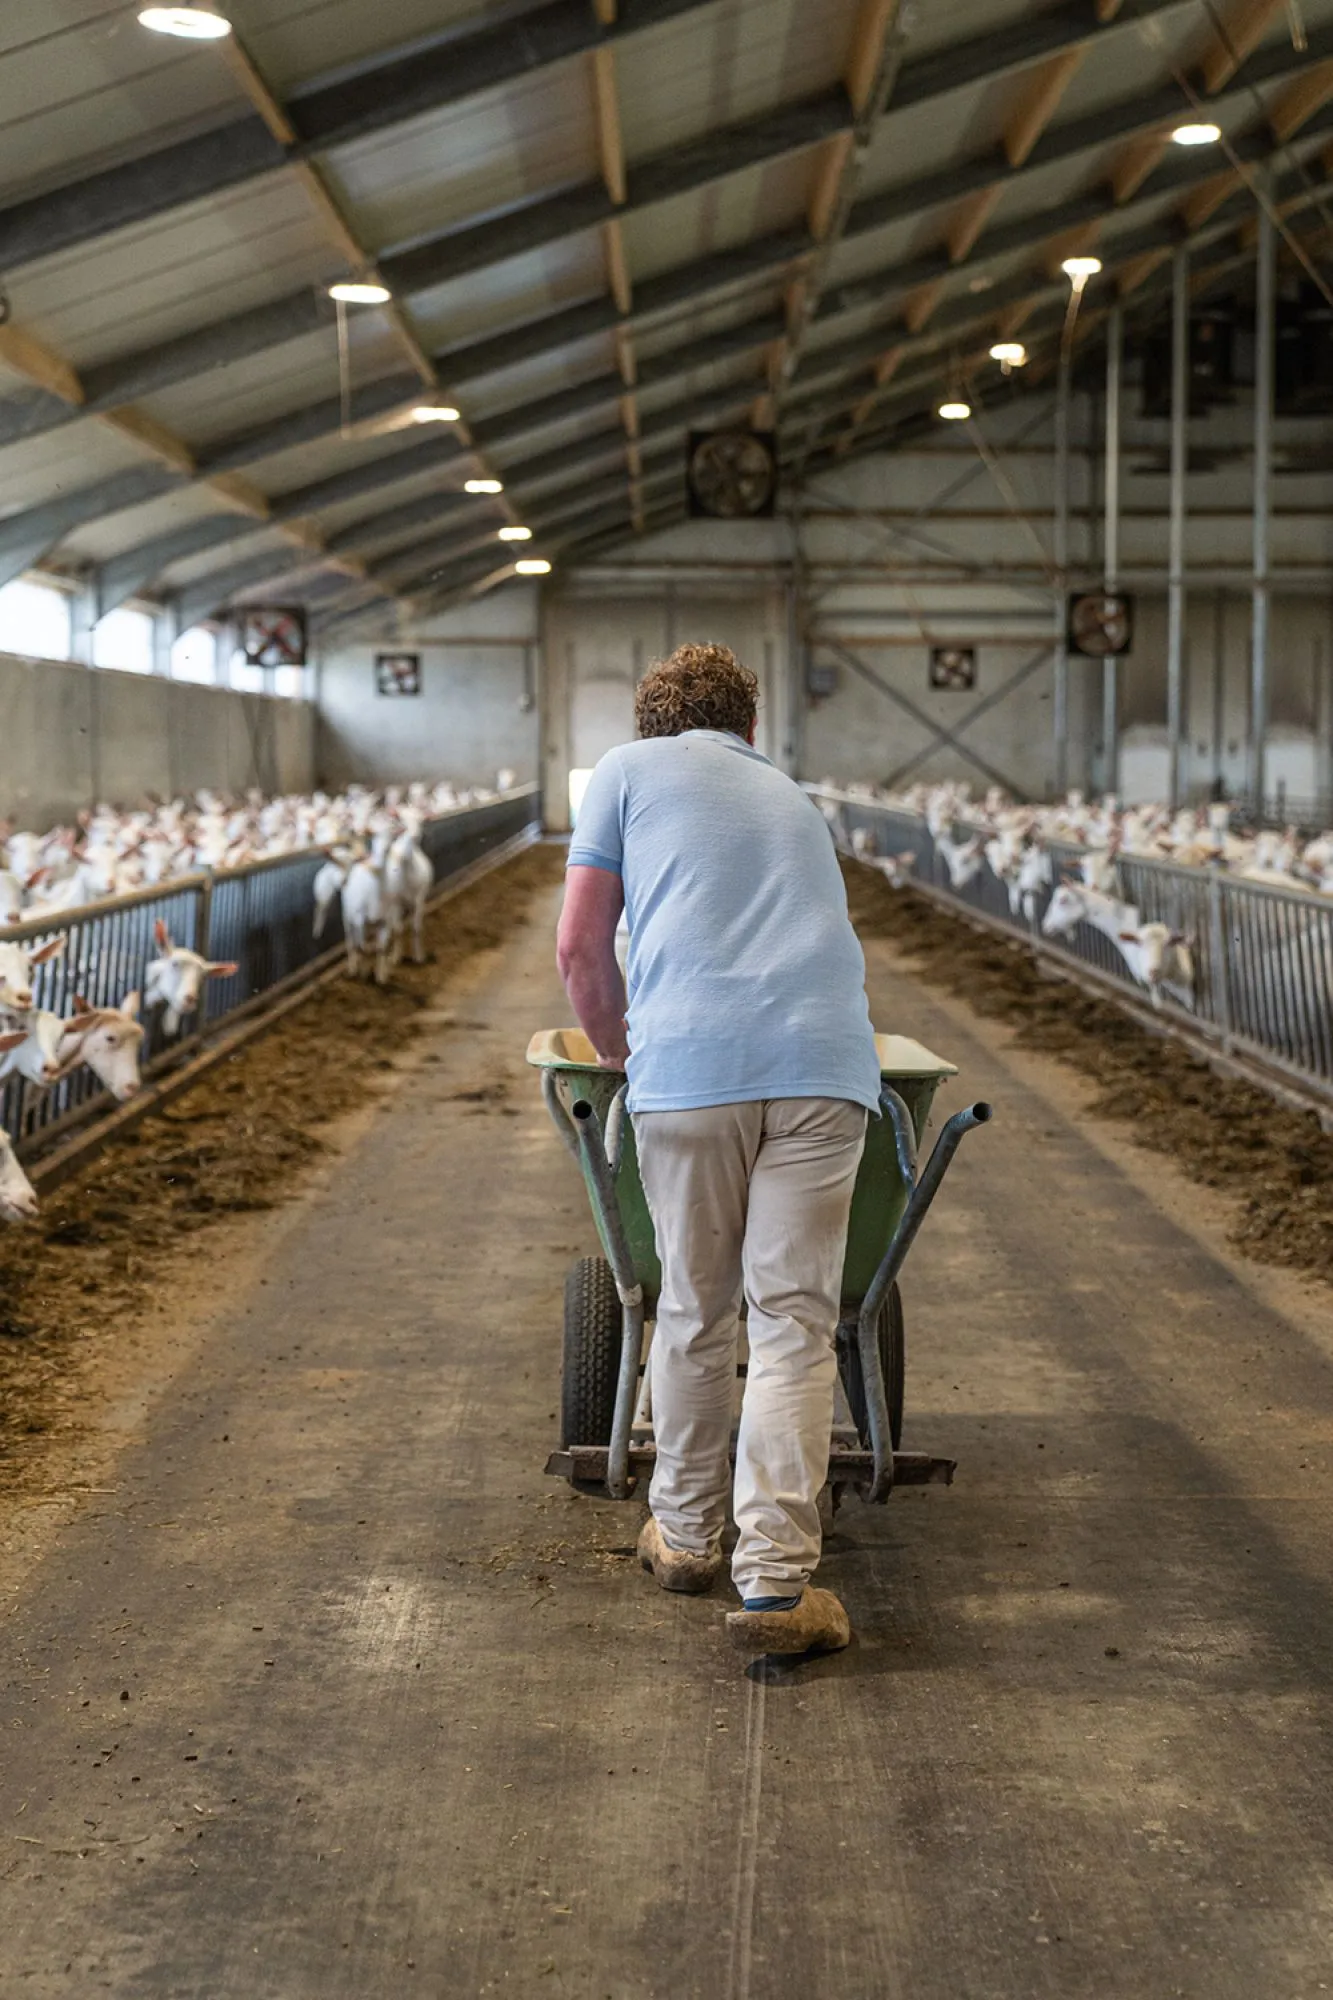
(243, 1138)
(1278, 1164)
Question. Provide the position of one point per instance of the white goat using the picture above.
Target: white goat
(366, 917)
(1034, 875)
(175, 981)
(895, 868)
(962, 858)
(16, 963)
(408, 879)
(33, 1051)
(109, 1040)
(1155, 955)
(18, 1199)
(328, 886)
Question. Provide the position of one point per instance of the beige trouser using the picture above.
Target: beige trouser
(754, 1195)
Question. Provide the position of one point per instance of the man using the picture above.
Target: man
(751, 1069)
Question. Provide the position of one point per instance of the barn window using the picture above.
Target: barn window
(194, 656)
(124, 639)
(34, 620)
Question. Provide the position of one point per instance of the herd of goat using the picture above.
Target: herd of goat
(374, 865)
(1017, 844)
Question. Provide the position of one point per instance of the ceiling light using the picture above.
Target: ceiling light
(483, 486)
(515, 534)
(1197, 135)
(193, 24)
(434, 413)
(361, 293)
(533, 566)
(954, 412)
(1010, 354)
(1080, 269)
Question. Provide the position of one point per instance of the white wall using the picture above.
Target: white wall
(599, 638)
(477, 711)
(71, 735)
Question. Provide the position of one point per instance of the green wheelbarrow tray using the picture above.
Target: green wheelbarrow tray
(587, 1104)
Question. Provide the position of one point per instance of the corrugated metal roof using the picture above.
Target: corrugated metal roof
(300, 42)
(206, 262)
(729, 62)
(41, 468)
(461, 165)
(81, 86)
(507, 294)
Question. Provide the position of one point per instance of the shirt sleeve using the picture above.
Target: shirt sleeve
(598, 837)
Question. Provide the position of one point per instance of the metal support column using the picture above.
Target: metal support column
(1175, 585)
(1060, 714)
(1264, 333)
(1115, 347)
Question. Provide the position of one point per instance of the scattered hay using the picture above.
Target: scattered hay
(1278, 1164)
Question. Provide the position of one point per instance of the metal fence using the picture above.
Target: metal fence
(260, 917)
(1263, 957)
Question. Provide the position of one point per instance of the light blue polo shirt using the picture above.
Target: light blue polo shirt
(746, 979)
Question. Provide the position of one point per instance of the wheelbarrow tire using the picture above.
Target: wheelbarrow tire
(892, 1354)
(591, 1367)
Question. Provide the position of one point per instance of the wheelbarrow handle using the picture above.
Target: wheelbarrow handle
(560, 1117)
(921, 1196)
(602, 1184)
(904, 1135)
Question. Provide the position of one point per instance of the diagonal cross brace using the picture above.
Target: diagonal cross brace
(939, 733)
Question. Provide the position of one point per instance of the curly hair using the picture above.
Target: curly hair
(699, 687)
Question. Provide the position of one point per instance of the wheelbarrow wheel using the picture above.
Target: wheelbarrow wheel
(892, 1356)
(591, 1367)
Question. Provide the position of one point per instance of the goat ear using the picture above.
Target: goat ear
(52, 949)
(82, 1006)
(224, 969)
(129, 1006)
(79, 1021)
(1129, 937)
(162, 934)
(1176, 937)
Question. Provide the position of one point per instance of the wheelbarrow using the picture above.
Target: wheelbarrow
(606, 1441)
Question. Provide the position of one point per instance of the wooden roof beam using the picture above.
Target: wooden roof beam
(1034, 106)
(611, 162)
(1292, 107)
(1134, 162)
(1043, 88)
(869, 72)
(1244, 25)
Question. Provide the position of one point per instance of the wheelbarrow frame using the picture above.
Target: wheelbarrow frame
(887, 1181)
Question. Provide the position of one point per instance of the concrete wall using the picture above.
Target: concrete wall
(476, 713)
(70, 735)
(598, 641)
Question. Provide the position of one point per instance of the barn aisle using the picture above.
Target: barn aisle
(340, 1697)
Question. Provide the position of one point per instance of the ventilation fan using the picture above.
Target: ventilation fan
(732, 475)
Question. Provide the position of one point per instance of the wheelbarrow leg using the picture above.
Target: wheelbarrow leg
(602, 1181)
(923, 1192)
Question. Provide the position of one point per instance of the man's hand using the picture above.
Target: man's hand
(585, 951)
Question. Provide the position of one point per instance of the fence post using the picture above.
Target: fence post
(204, 921)
(1219, 958)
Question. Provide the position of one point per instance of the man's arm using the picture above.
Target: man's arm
(585, 951)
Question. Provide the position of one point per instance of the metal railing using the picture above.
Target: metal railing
(260, 917)
(1263, 956)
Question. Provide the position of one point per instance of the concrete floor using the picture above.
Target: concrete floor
(403, 1717)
